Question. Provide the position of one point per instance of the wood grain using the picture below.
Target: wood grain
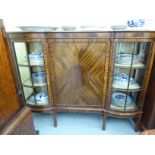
(21, 124)
(9, 103)
(81, 69)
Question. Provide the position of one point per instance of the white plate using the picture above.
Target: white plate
(38, 28)
(118, 101)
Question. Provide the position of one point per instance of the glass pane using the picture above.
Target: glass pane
(132, 53)
(28, 92)
(35, 53)
(25, 76)
(129, 71)
(30, 62)
(20, 50)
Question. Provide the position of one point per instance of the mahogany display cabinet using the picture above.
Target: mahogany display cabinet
(105, 72)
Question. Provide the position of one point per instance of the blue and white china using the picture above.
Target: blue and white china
(39, 77)
(36, 58)
(118, 99)
(41, 98)
(136, 23)
(123, 79)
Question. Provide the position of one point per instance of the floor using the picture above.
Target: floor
(82, 124)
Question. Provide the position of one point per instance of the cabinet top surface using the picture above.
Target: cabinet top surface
(82, 34)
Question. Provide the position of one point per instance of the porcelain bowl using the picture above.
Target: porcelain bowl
(39, 77)
(122, 79)
(36, 58)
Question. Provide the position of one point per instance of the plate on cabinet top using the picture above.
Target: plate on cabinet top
(69, 28)
(118, 27)
(38, 28)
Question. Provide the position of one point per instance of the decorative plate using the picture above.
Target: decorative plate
(123, 79)
(38, 28)
(69, 28)
(118, 27)
(39, 77)
(118, 99)
(36, 58)
(41, 98)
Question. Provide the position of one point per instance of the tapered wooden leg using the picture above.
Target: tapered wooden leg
(104, 120)
(54, 117)
(137, 123)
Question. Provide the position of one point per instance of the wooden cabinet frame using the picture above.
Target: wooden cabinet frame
(56, 42)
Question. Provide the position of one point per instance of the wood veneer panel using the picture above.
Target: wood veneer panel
(9, 104)
(81, 71)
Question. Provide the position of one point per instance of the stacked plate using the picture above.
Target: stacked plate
(123, 79)
(41, 98)
(39, 77)
(118, 27)
(118, 99)
(36, 58)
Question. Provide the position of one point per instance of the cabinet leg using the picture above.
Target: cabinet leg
(37, 132)
(137, 123)
(104, 120)
(54, 117)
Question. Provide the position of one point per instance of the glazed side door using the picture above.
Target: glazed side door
(130, 74)
(30, 57)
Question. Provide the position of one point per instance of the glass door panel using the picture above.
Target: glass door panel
(129, 72)
(30, 61)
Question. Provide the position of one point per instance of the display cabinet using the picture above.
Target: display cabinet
(31, 68)
(103, 72)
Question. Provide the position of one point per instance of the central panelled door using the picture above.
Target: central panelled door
(79, 72)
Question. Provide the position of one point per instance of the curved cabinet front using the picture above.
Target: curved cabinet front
(30, 64)
(105, 72)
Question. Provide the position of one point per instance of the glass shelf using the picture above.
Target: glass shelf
(28, 83)
(135, 66)
(128, 108)
(133, 87)
(31, 100)
(25, 64)
(125, 90)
